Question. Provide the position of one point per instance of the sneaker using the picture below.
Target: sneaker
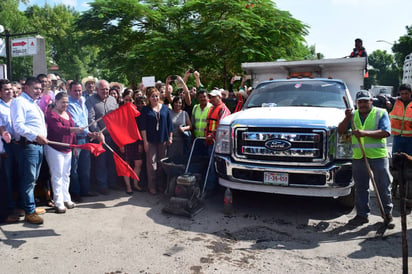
(69, 205)
(33, 218)
(358, 221)
(40, 211)
(60, 210)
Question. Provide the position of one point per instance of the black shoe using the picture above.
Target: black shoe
(388, 219)
(104, 191)
(129, 192)
(137, 189)
(11, 219)
(115, 187)
(358, 221)
(77, 198)
(89, 194)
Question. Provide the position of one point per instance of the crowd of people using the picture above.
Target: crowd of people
(40, 117)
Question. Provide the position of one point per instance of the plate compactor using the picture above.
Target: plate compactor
(186, 189)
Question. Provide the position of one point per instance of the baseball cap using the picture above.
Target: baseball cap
(215, 92)
(363, 95)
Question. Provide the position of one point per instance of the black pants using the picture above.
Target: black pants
(4, 210)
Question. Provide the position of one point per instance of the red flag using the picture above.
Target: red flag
(239, 103)
(96, 149)
(122, 168)
(121, 124)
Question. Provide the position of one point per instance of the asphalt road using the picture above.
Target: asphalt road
(267, 234)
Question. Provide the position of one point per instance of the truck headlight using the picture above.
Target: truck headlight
(344, 146)
(223, 140)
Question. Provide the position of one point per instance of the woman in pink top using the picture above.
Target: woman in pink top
(60, 128)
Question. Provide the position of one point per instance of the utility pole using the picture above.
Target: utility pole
(8, 54)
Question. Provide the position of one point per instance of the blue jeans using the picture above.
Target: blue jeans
(30, 159)
(80, 171)
(380, 170)
(402, 144)
(105, 168)
(10, 166)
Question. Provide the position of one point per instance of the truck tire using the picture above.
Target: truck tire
(348, 201)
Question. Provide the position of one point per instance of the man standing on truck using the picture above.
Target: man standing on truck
(360, 51)
(217, 112)
(371, 127)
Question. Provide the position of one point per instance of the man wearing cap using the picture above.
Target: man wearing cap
(89, 83)
(372, 127)
(217, 112)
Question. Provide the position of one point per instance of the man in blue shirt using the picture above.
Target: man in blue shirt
(9, 163)
(80, 169)
(30, 130)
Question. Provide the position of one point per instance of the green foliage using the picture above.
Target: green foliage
(140, 38)
(403, 47)
(15, 22)
(57, 25)
(385, 72)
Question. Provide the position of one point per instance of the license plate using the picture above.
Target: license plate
(274, 178)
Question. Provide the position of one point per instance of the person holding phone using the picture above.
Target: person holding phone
(181, 130)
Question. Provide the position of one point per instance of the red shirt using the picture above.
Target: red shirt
(58, 130)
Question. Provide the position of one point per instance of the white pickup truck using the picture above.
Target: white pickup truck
(285, 139)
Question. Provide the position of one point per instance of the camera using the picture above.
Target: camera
(191, 70)
(173, 77)
(237, 78)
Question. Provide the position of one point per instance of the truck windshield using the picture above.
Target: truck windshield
(316, 93)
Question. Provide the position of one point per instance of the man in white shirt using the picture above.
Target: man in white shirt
(31, 133)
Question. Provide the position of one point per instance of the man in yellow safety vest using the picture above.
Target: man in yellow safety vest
(372, 126)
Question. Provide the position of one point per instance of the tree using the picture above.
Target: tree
(403, 47)
(385, 71)
(14, 20)
(137, 38)
(57, 25)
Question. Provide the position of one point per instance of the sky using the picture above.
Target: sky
(334, 24)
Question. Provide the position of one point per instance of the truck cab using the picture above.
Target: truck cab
(285, 139)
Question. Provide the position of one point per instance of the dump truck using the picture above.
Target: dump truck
(285, 138)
